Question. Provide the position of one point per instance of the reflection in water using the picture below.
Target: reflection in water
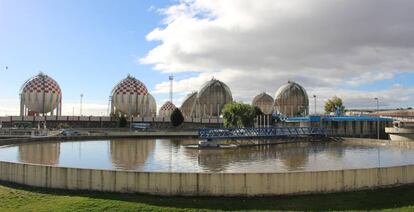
(40, 153)
(293, 156)
(129, 154)
(171, 155)
(286, 156)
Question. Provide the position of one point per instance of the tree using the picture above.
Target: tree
(122, 121)
(176, 117)
(334, 104)
(237, 114)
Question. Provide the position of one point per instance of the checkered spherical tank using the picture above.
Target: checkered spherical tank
(41, 94)
(166, 109)
(130, 96)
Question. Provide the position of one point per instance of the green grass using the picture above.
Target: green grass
(21, 198)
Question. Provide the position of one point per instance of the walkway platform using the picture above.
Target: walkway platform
(223, 133)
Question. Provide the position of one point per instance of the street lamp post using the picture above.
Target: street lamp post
(109, 105)
(81, 100)
(314, 99)
(171, 78)
(379, 150)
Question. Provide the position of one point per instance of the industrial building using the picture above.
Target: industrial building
(40, 95)
(344, 126)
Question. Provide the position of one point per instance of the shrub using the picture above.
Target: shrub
(122, 121)
(176, 117)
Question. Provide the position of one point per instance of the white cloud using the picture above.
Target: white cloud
(256, 46)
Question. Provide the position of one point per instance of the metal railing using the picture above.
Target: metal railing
(216, 133)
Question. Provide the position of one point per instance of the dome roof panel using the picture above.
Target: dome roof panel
(41, 94)
(214, 83)
(130, 85)
(291, 87)
(262, 97)
(41, 83)
(167, 106)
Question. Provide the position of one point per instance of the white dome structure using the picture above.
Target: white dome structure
(292, 100)
(152, 105)
(188, 105)
(211, 99)
(265, 102)
(166, 109)
(40, 95)
(130, 96)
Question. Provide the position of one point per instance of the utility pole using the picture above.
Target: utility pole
(314, 99)
(109, 105)
(81, 101)
(171, 78)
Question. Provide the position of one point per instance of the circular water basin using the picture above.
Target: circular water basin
(171, 155)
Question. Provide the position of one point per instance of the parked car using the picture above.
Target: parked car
(140, 126)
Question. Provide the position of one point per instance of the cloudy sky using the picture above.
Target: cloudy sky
(354, 49)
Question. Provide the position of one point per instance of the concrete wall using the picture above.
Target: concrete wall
(208, 184)
(400, 134)
(204, 184)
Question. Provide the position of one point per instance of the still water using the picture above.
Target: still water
(170, 155)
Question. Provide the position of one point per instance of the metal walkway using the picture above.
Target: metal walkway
(217, 133)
